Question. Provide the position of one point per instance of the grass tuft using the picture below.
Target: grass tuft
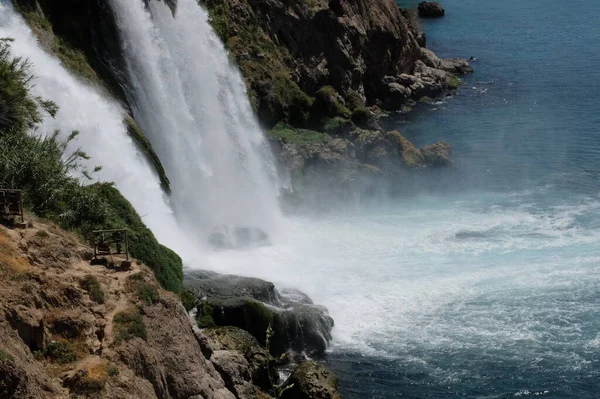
(129, 325)
(94, 289)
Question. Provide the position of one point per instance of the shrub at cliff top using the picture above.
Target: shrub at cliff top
(40, 167)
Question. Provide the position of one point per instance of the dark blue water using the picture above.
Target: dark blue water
(514, 251)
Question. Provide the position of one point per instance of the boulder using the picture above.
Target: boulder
(260, 364)
(430, 9)
(254, 305)
(311, 380)
(437, 155)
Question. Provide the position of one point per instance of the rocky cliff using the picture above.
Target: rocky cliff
(71, 329)
(320, 73)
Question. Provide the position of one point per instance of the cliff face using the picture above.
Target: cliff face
(357, 48)
(349, 45)
(71, 329)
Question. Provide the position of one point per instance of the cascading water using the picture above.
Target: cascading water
(103, 135)
(192, 105)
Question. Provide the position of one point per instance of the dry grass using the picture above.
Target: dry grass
(12, 265)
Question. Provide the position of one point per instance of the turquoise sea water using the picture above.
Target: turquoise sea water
(487, 285)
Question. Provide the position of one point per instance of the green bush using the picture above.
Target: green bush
(92, 286)
(147, 294)
(60, 352)
(188, 300)
(205, 319)
(18, 109)
(338, 126)
(129, 325)
(42, 234)
(289, 134)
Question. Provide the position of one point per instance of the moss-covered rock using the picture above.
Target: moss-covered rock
(136, 133)
(262, 365)
(311, 380)
(329, 104)
(254, 305)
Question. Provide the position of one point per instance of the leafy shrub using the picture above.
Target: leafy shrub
(188, 300)
(145, 290)
(327, 104)
(204, 319)
(92, 286)
(338, 126)
(42, 234)
(129, 325)
(60, 352)
(148, 294)
(289, 134)
(18, 109)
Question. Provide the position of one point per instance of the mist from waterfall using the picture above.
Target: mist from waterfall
(192, 105)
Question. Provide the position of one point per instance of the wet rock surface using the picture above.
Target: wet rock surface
(253, 305)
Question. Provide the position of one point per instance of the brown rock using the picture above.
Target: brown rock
(437, 155)
(311, 380)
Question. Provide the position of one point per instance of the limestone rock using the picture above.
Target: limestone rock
(254, 305)
(311, 380)
(437, 155)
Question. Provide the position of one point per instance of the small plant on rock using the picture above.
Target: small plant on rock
(145, 291)
(61, 352)
(129, 325)
(92, 286)
(188, 300)
(5, 357)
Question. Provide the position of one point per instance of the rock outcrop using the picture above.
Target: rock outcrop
(288, 52)
(253, 305)
(311, 380)
(430, 9)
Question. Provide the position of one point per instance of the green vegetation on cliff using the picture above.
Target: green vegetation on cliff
(41, 168)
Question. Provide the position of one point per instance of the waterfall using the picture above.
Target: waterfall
(192, 105)
(102, 133)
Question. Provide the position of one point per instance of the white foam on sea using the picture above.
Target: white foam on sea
(402, 280)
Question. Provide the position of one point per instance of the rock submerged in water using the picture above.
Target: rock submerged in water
(236, 237)
(253, 304)
(430, 9)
